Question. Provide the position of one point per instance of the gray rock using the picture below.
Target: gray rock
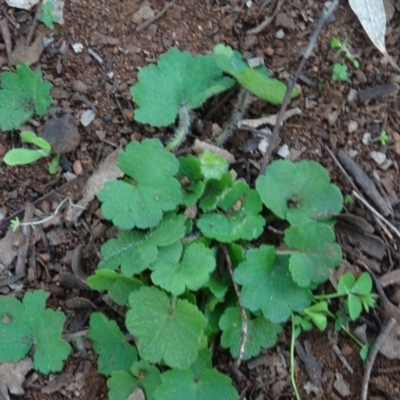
(62, 133)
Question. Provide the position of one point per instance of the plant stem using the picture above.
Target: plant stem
(328, 296)
(292, 365)
(243, 102)
(182, 129)
(173, 305)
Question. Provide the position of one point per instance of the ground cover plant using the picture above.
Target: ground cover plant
(193, 263)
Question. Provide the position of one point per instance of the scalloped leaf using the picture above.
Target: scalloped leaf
(177, 79)
(27, 323)
(215, 191)
(114, 352)
(212, 166)
(172, 333)
(183, 384)
(118, 286)
(152, 190)
(261, 333)
(255, 80)
(23, 93)
(175, 275)
(134, 251)
(191, 179)
(144, 376)
(240, 219)
(299, 191)
(314, 252)
(268, 286)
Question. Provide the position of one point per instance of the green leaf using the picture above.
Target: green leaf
(47, 16)
(252, 79)
(335, 43)
(27, 323)
(268, 286)
(31, 138)
(212, 165)
(190, 177)
(299, 191)
(153, 189)
(215, 191)
(181, 384)
(168, 333)
(354, 307)
(54, 163)
(23, 156)
(175, 275)
(134, 251)
(118, 286)
(241, 219)
(144, 376)
(114, 351)
(178, 78)
(317, 313)
(363, 284)
(313, 252)
(261, 333)
(23, 93)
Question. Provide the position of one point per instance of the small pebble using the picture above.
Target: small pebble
(366, 138)
(352, 126)
(284, 151)
(107, 118)
(280, 34)
(77, 167)
(87, 117)
(378, 157)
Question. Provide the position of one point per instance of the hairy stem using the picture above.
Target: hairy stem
(181, 130)
(243, 102)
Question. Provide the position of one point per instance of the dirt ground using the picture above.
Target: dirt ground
(335, 116)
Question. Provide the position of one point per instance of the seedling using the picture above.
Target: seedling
(47, 15)
(383, 138)
(28, 156)
(348, 199)
(339, 72)
(342, 48)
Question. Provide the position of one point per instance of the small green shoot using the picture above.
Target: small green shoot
(339, 72)
(342, 48)
(383, 138)
(28, 156)
(47, 15)
(348, 199)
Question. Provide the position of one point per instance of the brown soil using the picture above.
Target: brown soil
(327, 116)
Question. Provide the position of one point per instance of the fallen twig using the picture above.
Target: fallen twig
(148, 22)
(260, 27)
(313, 40)
(6, 36)
(390, 323)
(381, 217)
(23, 249)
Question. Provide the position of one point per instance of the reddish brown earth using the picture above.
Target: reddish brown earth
(327, 116)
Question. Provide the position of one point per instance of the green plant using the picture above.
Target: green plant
(23, 93)
(342, 48)
(339, 72)
(47, 15)
(383, 138)
(28, 156)
(180, 83)
(189, 283)
(28, 323)
(163, 265)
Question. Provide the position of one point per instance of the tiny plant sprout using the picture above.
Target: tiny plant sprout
(383, 138)
(339, 72)
(27, 156)
(47, 16)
